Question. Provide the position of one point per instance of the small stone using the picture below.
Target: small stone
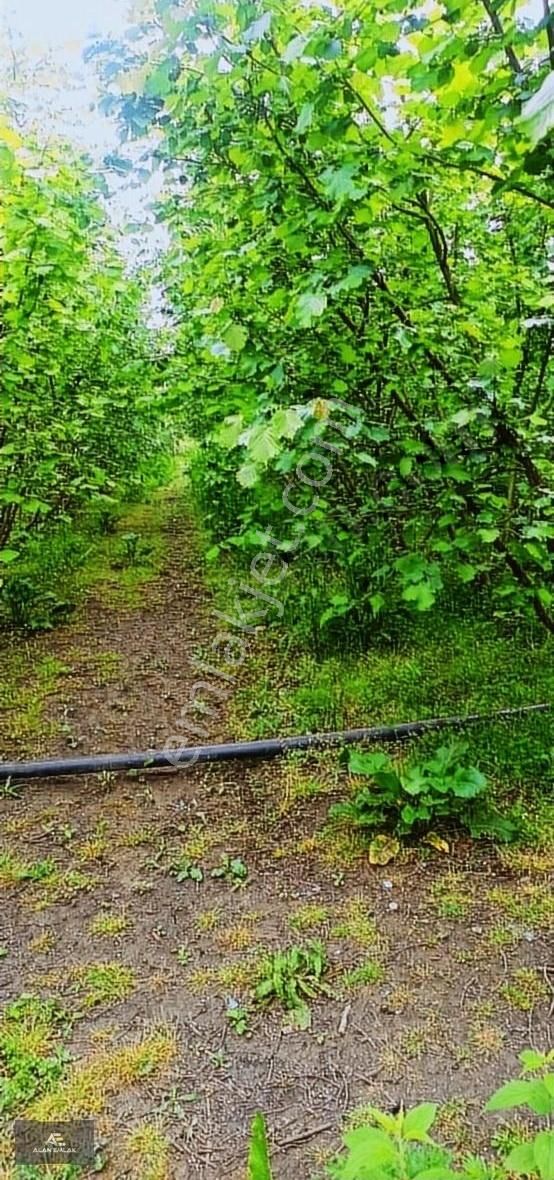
(393, 905)
(529, 935)
(386, 885)
(476, 929)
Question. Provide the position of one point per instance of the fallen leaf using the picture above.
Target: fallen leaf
(383, 849)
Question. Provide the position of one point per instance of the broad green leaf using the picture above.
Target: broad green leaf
(368, 1149)
(236, 337)
(309, 307)
(533, 1094)
(359, 763)
(286, 423)
(543, 1152)
(305, 118)
(258, 29)
(248, 475)
(418, 1121)
(521, 1160)
(537, 114)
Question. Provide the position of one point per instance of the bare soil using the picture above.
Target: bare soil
(439, 1025)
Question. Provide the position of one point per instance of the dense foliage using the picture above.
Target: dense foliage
(76, 400)
(362, 210)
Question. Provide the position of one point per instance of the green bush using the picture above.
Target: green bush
(418, 797)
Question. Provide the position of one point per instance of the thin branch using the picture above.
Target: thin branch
(463, 165)
(499, 29)
(549, 25)
(542, 371)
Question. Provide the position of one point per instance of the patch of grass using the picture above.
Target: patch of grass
(337, 847)
(451, 1124)
(530, 904)
(105, 666)
(14, 871)
(240, 976)
(207, 920)
(104, 983)
(452, 896)
(530, 860)
(32, 1054)
(120, 583)
(369, 972)
(525, 989)
(414, 1042)
(92, 849)
(60, 888)
(356, 923)
(109, 925)
(43, 943)
(238, 936)
(501, 937)
(25, 688)
(467, 660)
(88, 1086)
(298, 784)
(308, 917)
(138, 838)
(149, 1151)
(510, 1134)
(400, 999)
(486, 1040)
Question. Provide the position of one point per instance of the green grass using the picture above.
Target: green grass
(430, 666)
(369, 972)
(32, 1056)
(104, 983)
(25, 687)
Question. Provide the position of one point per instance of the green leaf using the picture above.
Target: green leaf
(340, 183)
(368, 1150)
(286, 423)
(420, 594)
(8, 555)
(521, 1160)
(305, 118)
(543, 1151)
(263, 444)
(531, 1060)
(259, 1166)
(521, 1092)
(537, 114)
(417, 1121)
(405, 466)
(228, 434)
(383, 849)
(294, 49)
(359, 763)
(236, 337)
(309, 306)
(258, 29)
(248, 475)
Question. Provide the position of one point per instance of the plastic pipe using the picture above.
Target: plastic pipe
(268, 748)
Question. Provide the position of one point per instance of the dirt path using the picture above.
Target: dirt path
(439, 972)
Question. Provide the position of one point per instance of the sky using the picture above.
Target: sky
(64, 103)
(56, 22)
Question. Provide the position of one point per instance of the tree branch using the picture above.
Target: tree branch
(499, 29)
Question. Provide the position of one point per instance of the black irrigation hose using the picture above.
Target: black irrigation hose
(96, 764)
